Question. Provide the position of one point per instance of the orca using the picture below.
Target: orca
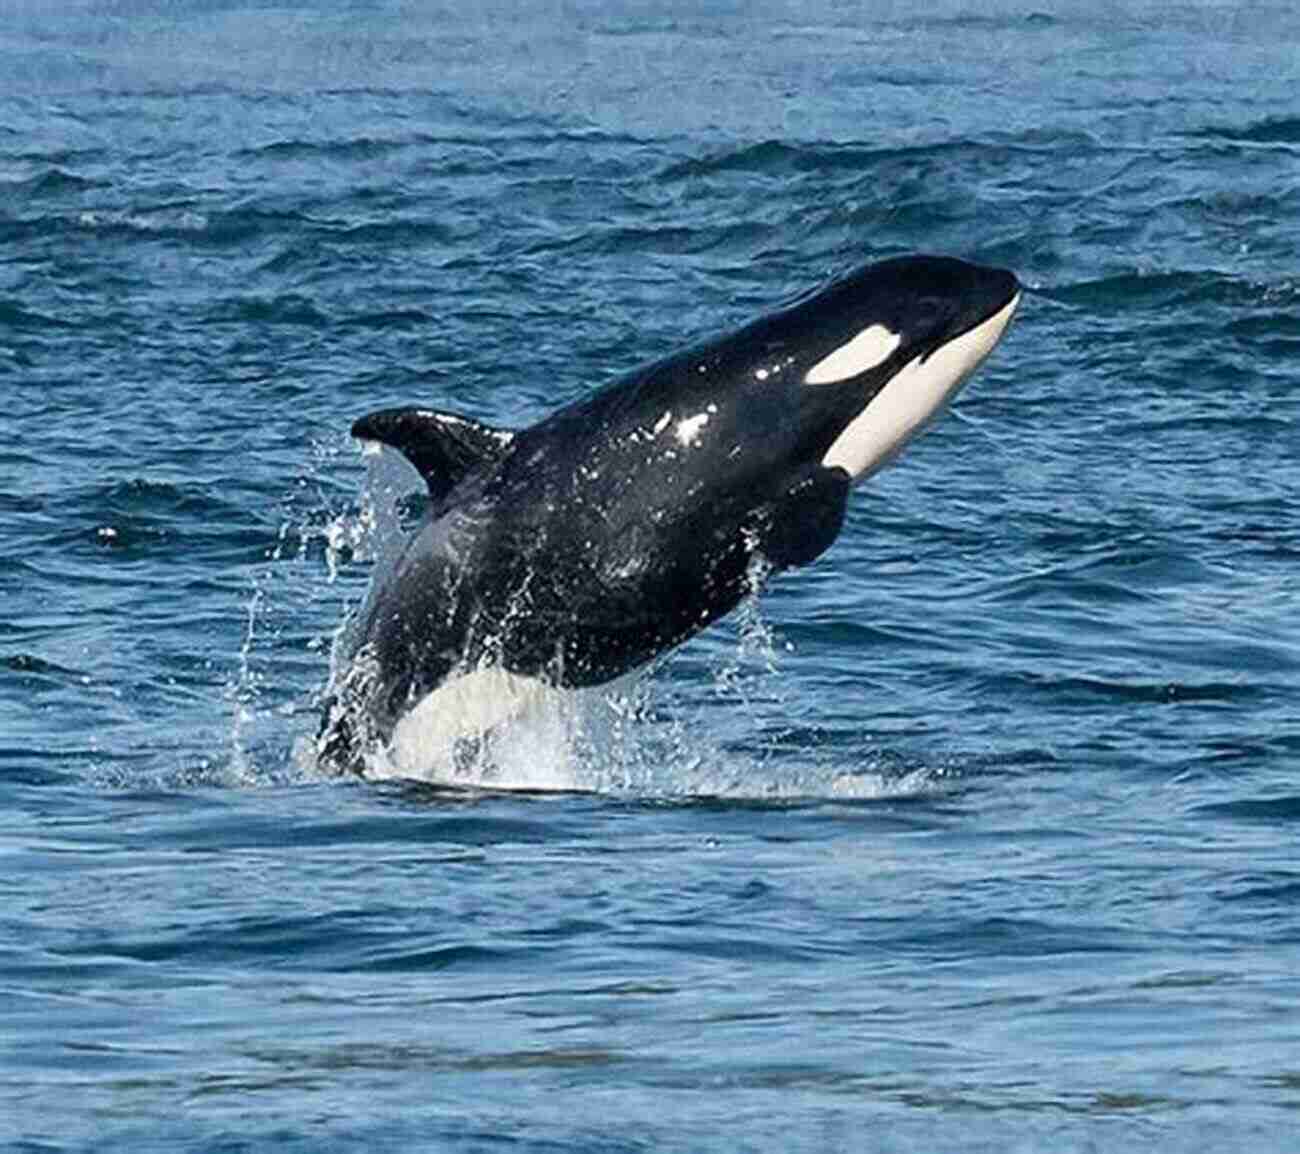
(570, 552)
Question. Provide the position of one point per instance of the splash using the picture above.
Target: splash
(711, 720)
(646, 736)
(301, 604)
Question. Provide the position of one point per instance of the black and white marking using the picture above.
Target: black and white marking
(569, 552)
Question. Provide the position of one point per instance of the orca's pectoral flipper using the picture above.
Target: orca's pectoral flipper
(442, 446)
(801, 524)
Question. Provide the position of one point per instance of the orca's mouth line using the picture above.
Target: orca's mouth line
(1003, 310)
(1008, 306)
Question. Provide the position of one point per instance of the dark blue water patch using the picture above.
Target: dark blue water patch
(1068, 583)
(853, 745)
(123, 522)
(140, 497)
(57, 157)
(1282, 810)
(50, 183)
(1080, 691)
(1225, 755)
(314, 939)
(1257, 427)
(287, 309)
(761, 948)
(660, 240)
(1238, 211)
(1010, 21)
(513, 1131)
(1159, 291)
(1268, 130)
(1268, 333)
(34, 766)
(363, 148)
(14, 316)
(396, 231)
(360, 941)
(778, 158)
(1002, 937)
(27, 673)
(407, 958)
(390, 320)
(422, 822)
(771, 157)
(1278, 889)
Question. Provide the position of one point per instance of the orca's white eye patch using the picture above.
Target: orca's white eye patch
(868, 349)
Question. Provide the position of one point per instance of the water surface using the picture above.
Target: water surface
(979, 833)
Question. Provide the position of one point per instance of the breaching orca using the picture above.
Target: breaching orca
(581, 547)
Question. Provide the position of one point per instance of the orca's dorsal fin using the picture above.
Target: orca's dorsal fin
(442, 446)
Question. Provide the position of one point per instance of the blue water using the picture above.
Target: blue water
(981, 833)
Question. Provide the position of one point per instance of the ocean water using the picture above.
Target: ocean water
(981, 833)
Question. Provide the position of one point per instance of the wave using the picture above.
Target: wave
(139, 495)
(358, 148)
(1284, 808)
(781, 157)
(1170, 288)
(660, 239)
(1274, 888)
(284, 309)
(389, 320)
(30, 672)
(184, 221)
(1080, 689)
(49, 182)
(1007, 937)
(229, 228)
(1269, 130)
(784, 157)
(135, 515)
(406, 233)
(14, 316)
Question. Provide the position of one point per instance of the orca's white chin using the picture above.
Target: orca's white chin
(915, 395)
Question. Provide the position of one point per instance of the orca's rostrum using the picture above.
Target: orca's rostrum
(581, 547)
